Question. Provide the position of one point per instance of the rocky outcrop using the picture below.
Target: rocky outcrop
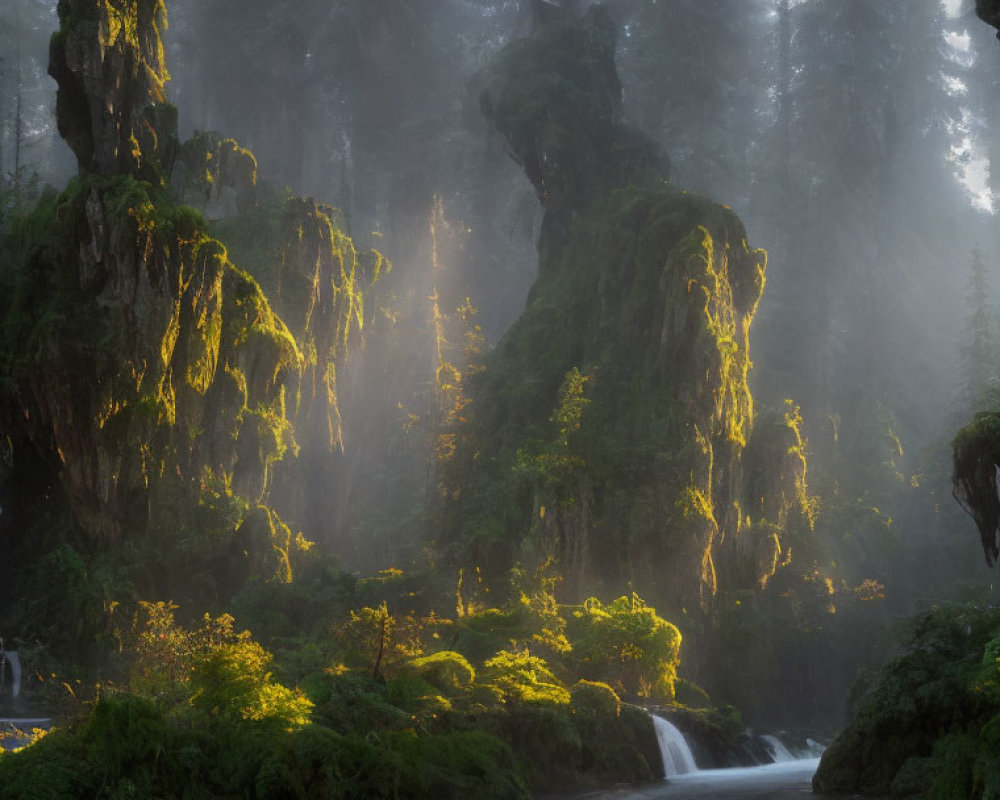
(608, 427)
(927, 726)
(147, 382)
(142, 354)
(216, 175)
(976, 478)
(107, 59)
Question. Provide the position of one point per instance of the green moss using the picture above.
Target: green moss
(212, 163)
(647, 305)
(928, 715)
(976, 452)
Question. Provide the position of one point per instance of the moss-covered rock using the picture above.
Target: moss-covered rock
(107, 58)
(148, 385)
(608, 426)
(927, 728)
(975, 481)
(137, 352)
(217, 175)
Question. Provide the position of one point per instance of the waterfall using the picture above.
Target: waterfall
(814, 748)
(10, 663)
(677, 758)
(778, 751)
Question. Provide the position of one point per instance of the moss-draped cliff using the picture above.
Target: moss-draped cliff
(609, 426)
(149, 386)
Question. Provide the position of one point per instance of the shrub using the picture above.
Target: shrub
(626, 645)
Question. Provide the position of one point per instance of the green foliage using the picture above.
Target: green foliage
(212, 163)
(52, 769)
(626, 645)
(446, 670)
(232, 682)
(927, 726)
(517, 677)
(205, 715)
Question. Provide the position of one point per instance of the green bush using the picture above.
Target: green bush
(521, 677)
(445, 670)
(927, 726)
(626, 645)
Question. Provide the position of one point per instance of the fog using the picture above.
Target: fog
(855, 139)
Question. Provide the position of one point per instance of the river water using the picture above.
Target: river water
(790, 780)
(15, 733)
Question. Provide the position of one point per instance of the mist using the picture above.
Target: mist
(517, 368)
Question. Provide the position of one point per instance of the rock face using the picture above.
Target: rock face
(608, 427)
(976, 480)
(216, 175)
(108, 61)
(147, 382)
(141, 353)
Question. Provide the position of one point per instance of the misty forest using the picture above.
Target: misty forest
(499, 398)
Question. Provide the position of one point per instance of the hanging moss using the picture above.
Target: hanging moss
(109, 63)
(149, 373)
(210, 164)
(651, 297)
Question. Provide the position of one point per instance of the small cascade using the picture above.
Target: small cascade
(10, 672)
(779, 752)
(814, 749)
(677, 757)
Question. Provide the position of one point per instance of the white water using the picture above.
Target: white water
(779, 752)
(741, 781)
(677, 757)
(11, 663)
(789, 778)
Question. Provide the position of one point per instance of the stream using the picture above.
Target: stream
(781, 781)
(786, 779)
